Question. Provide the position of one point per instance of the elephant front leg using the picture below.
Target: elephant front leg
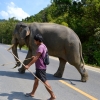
(61, 68)
(22, 69)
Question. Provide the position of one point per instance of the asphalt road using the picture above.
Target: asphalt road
(14, 85)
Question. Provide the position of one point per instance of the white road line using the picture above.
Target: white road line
(92, 68)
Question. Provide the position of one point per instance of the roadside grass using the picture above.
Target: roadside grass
(25, 47)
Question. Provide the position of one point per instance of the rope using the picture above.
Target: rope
(14, 62)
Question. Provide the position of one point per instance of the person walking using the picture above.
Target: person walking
(40, 67)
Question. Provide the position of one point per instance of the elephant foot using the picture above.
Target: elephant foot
(21, 71)
(58, 74)
(84, 78)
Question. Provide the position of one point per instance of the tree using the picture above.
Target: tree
(6, 30)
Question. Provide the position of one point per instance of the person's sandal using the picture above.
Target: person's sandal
(28, 95)
(51, 99)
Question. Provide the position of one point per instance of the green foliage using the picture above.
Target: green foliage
(65, 24)
(92, 49)
(97, 57)
(97, 36)
(25, 47)
(83, 17)
(96, 53)
(6, 30)
(88, 51)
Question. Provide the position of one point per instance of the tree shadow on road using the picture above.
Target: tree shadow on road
(17, 96)
(29, 76)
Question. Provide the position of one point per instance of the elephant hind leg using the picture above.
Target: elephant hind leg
(61, 68)
(84, 74)
(82, 71)
(74, 59)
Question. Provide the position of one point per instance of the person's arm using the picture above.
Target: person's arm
(35, 58)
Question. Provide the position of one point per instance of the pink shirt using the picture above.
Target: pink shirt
(39, 63)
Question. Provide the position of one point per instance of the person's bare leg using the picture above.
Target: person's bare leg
(34, 87)
(50, 90)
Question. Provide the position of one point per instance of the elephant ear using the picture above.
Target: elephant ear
(24, 32)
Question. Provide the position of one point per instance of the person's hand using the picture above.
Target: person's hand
(27, 67)
(33, 57)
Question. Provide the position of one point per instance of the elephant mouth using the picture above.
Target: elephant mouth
(21, 42)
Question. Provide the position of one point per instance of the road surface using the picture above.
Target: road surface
(14, 85)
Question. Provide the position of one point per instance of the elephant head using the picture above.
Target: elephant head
(21, 31)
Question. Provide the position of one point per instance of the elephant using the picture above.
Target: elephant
(61, 41)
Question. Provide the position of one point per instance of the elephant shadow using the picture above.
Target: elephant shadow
(29, 76)
(17, 96)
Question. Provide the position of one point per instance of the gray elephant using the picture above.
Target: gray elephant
(61, 41)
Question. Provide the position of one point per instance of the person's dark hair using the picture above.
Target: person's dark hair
(38, 37)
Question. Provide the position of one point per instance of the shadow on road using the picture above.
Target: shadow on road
(29, 76)
(17, 96)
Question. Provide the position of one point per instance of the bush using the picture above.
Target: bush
(91, 49)
(96, 56)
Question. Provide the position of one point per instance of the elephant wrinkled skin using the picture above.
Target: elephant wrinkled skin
(61, 41)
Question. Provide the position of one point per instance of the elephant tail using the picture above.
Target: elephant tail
(80, 50)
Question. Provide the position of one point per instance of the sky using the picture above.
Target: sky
(20, 9)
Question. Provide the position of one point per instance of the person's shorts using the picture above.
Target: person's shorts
(41, 74)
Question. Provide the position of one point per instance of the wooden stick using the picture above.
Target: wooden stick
(10, 47)
(31, 72)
